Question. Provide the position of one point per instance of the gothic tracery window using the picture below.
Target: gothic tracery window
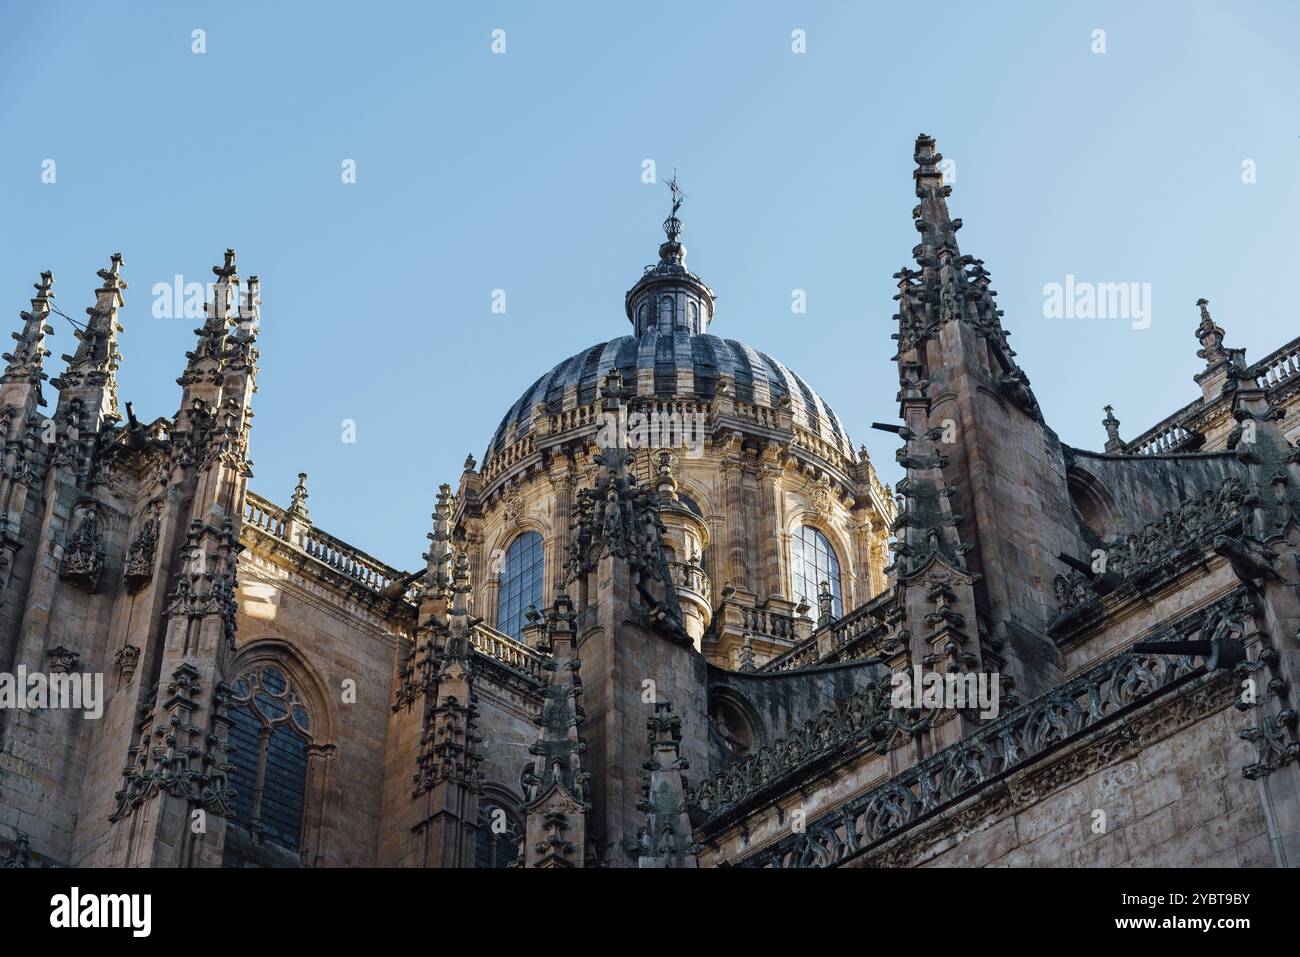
(667, 313)
(269, 739)
(521, 583)
(813, 561)
(498, 836)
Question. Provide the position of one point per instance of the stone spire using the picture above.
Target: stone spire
(211, 344)
(447, 778)
(26, 364)
(223, 361)
(298, 504)
(23, 453)
(1222, 364)
(950, 286)
(1210, 336)
(936, 586)
(937, 228)
(1114, 444)
(297, 523)
(555, 783)
(669, 297)
(961, 581)
(665, 840)
(437, 579)
(458, 647)
(91, 375)
(925, 527)
(419, 665)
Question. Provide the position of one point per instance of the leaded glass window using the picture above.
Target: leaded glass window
(498, 836)
(269, 740)
(521, 583)
(813, 561)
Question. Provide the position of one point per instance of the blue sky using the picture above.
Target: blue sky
(522, 172)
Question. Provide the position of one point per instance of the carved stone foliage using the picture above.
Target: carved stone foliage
(24, 458)
(1016, 739)
(665, 838)
(447, 746)
(62, 660)
(620, 518)
(1276, 720)
(174, 755)
(1161, 543)
(140, 554)
(127, 659)
(83, 556)
(513, 509)
(206, 585)
(865, 719)
(617, 517)
(555, 784)
(821, 500)
(20, 856)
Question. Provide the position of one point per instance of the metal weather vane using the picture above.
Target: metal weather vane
(678, 195)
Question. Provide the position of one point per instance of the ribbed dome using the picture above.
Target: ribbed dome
(670, 309)
(760, 380)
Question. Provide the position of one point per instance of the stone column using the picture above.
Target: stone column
(562, 486)
(736, 569)
(772, 512)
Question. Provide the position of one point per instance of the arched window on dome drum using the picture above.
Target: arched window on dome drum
(522, 573)
(269, 739)
(813, 561)
(667, 313)
(499, 834)
(693, 549)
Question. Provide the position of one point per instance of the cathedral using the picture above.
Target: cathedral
(672, 618)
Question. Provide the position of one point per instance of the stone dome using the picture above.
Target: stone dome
(660, 363)
(672, 356)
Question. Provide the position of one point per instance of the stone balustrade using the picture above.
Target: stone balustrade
(500, 647)
(354, 564)
(1279, 366)
(690, 577)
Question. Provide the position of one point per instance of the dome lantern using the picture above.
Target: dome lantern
(669, 297)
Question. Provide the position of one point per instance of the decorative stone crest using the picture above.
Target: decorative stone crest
(820, 498)
(513, 508)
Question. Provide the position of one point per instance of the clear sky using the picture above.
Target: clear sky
(522, 171)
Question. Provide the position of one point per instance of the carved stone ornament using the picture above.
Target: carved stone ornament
(820, 499)
(62, 660)
(83, 556)
(138, 569)
(513, 508)
(127, 658)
